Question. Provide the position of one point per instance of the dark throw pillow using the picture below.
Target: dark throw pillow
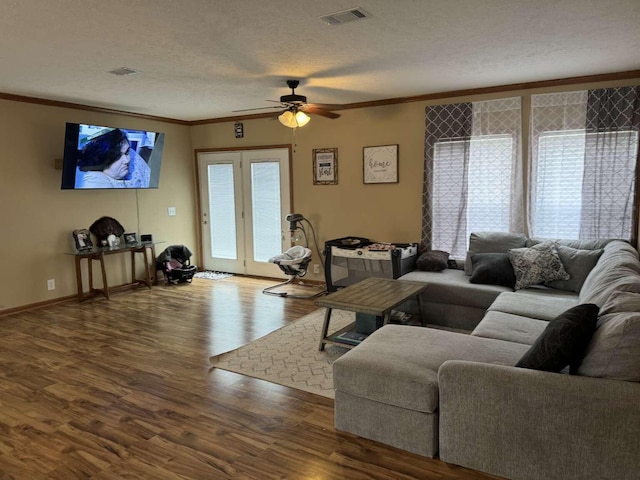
(492, 269)
(432, 261)
(564, 341)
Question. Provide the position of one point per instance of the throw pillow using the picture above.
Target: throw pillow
(563, 342)
(492, 242)
(432, 261)
(578, 264)
(538, 264)
(492, 269)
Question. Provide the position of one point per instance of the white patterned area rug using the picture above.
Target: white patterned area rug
(290, 356)
(211, 275)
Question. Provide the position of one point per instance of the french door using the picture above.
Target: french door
(244, 198)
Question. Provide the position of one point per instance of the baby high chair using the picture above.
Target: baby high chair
(293, 262)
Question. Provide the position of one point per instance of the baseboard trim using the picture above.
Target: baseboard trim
(34, 306)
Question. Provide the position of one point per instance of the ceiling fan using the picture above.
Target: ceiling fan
(295, 108)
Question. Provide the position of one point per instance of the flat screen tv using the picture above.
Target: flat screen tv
(97, 157)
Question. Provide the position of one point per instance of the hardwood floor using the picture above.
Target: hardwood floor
(122, 389)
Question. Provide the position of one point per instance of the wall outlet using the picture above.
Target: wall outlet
(171, 211)
(316, 268)
(51, 284)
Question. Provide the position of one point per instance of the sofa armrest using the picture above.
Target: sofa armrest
(527, 424)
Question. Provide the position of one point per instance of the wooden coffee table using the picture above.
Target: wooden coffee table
(373, 296)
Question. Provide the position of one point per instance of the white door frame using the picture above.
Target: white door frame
(243, 206)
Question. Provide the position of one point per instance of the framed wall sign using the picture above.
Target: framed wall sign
(381, 164)
(325, 166)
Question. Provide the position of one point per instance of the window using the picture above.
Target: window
(559, 185)
(472, 172)
(584, 151)
(479, 190)
(581, 175)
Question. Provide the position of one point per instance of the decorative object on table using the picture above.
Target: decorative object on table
(105, 226)
(325, 166)
(147, 237)
(130, 238)
(82, 238)
(380, 164)
(113, 241)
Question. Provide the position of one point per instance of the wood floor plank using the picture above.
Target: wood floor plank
(123, 389)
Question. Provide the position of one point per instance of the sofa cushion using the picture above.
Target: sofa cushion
(614, 350)
(492, 269)
(527, 304)
(564, 341)
(432, 261)
(492, 242)
(510, 327)
(578, 264)
(538, 264)
(398, 364)
(618, 269)
(597, 244)
(621, 302)
(452, 286)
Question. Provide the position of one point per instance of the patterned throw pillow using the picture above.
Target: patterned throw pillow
(538, 264)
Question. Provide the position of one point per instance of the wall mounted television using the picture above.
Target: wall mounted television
(99, 157)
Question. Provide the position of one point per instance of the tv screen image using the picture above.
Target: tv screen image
(97, 157)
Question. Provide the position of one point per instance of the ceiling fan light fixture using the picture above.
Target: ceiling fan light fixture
(293, 119)
(302, 118)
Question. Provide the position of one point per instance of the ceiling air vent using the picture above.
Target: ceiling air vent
(338, 18)
(124, 71)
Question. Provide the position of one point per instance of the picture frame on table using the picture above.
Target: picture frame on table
(380, 164)
(82, 239)
(325, 166)
(130, 238)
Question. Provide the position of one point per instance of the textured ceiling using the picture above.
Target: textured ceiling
(203, 59)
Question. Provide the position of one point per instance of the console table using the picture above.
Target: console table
(98, 254)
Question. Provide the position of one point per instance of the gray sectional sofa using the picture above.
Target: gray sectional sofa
(439, 391)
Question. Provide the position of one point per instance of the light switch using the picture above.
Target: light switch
(172, 211)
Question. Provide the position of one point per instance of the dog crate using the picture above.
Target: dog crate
(349, 260)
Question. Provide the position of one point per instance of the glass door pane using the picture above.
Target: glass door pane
(266, 210)
(222, 211)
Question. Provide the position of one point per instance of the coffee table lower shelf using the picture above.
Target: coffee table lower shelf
(337, 339)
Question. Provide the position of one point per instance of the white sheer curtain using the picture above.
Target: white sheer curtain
(473, 172)
(584, 149)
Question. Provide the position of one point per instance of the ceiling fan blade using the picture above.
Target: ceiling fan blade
(326, 106)
(312, 109)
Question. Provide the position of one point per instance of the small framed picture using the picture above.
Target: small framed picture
(325, 166)
(82, 238)
(130, 238)
(380, 164)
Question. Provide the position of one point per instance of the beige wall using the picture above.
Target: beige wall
(38, 217)
(380, 212)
